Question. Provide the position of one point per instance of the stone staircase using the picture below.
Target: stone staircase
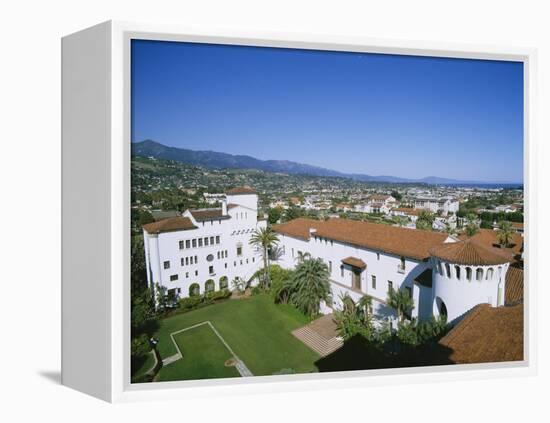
(316, 342)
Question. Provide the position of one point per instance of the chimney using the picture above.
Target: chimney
(224, 207)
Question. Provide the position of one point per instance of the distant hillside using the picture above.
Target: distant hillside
(216, 160)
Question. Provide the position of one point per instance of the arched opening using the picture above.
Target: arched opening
(224, 283)
(490, 273)
(209, 286)
(479, 274)
(448, 270)
(440, 307)
(457, 272)
(469, 273)
(194, 290)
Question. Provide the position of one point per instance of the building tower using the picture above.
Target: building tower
(466, 274)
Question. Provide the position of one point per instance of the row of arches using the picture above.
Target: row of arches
(467, 273)
(209, 286)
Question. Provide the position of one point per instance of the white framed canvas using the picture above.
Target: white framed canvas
(263, 212)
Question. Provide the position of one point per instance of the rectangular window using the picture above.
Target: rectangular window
(187, 244)
(187, 274)
(166, 265)
(173, 277)
(194, 243)
(206, 242)
(181, 245)
(342, 271)
(182, 261)
(330, 266)
(239, 251)
(390, 286)
(377, 256)
(218, 255)
(253, 260)
(217, 239)
(211, 270)
(200, 242)
(196, 260)
(226, 265)
(211, 240)
(373, 277)
(196, 273)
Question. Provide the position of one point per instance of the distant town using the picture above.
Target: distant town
(164, 188)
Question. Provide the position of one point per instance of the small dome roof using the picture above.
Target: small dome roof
(470, 252)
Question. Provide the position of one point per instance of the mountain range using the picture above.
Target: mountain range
(217, 160)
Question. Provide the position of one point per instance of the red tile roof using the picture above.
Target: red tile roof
(169, 225)
(471, 252)
(514, 286)
(207, 214)
(406, 242)
(488, 237)
(487, 334)
(241, 190)
(355, 262)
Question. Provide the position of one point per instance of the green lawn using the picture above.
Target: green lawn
(256, 329)
(204, 356)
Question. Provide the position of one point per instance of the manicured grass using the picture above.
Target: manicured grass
(204, 356)
(256, 329)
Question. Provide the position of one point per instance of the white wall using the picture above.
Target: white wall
(233, 232)
(461, 295)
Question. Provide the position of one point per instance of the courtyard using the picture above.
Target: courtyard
(208, 342)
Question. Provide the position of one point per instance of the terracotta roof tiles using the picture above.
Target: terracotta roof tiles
(406, 242)
(470, 252)
(514, 286)
(169, 225)
(240, 191)
(487, 334)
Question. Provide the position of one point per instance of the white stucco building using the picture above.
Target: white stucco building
(441, 274)
(204, 250)
(443, 204)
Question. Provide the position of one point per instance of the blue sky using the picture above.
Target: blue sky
(363, 113)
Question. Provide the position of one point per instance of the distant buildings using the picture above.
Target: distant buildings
(442, 204)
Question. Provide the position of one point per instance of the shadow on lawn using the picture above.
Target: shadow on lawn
(359, 354)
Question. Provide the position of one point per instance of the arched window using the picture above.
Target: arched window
(479, 274)
(223, 282)
(469, 273)
(489, 273)
(448, 270)
(209, 286)
(457, 272)
(194, 290)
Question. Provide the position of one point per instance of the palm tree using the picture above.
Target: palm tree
(354, 318)
(301, 257)
(471, 226)
(310, 286)
(505, 233)
(263, 239)
(401, 301)
(365, 303)
(425, 220)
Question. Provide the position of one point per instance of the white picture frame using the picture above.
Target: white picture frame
(96, 207)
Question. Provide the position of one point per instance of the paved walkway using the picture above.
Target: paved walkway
(321, 335)
(240, 366)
